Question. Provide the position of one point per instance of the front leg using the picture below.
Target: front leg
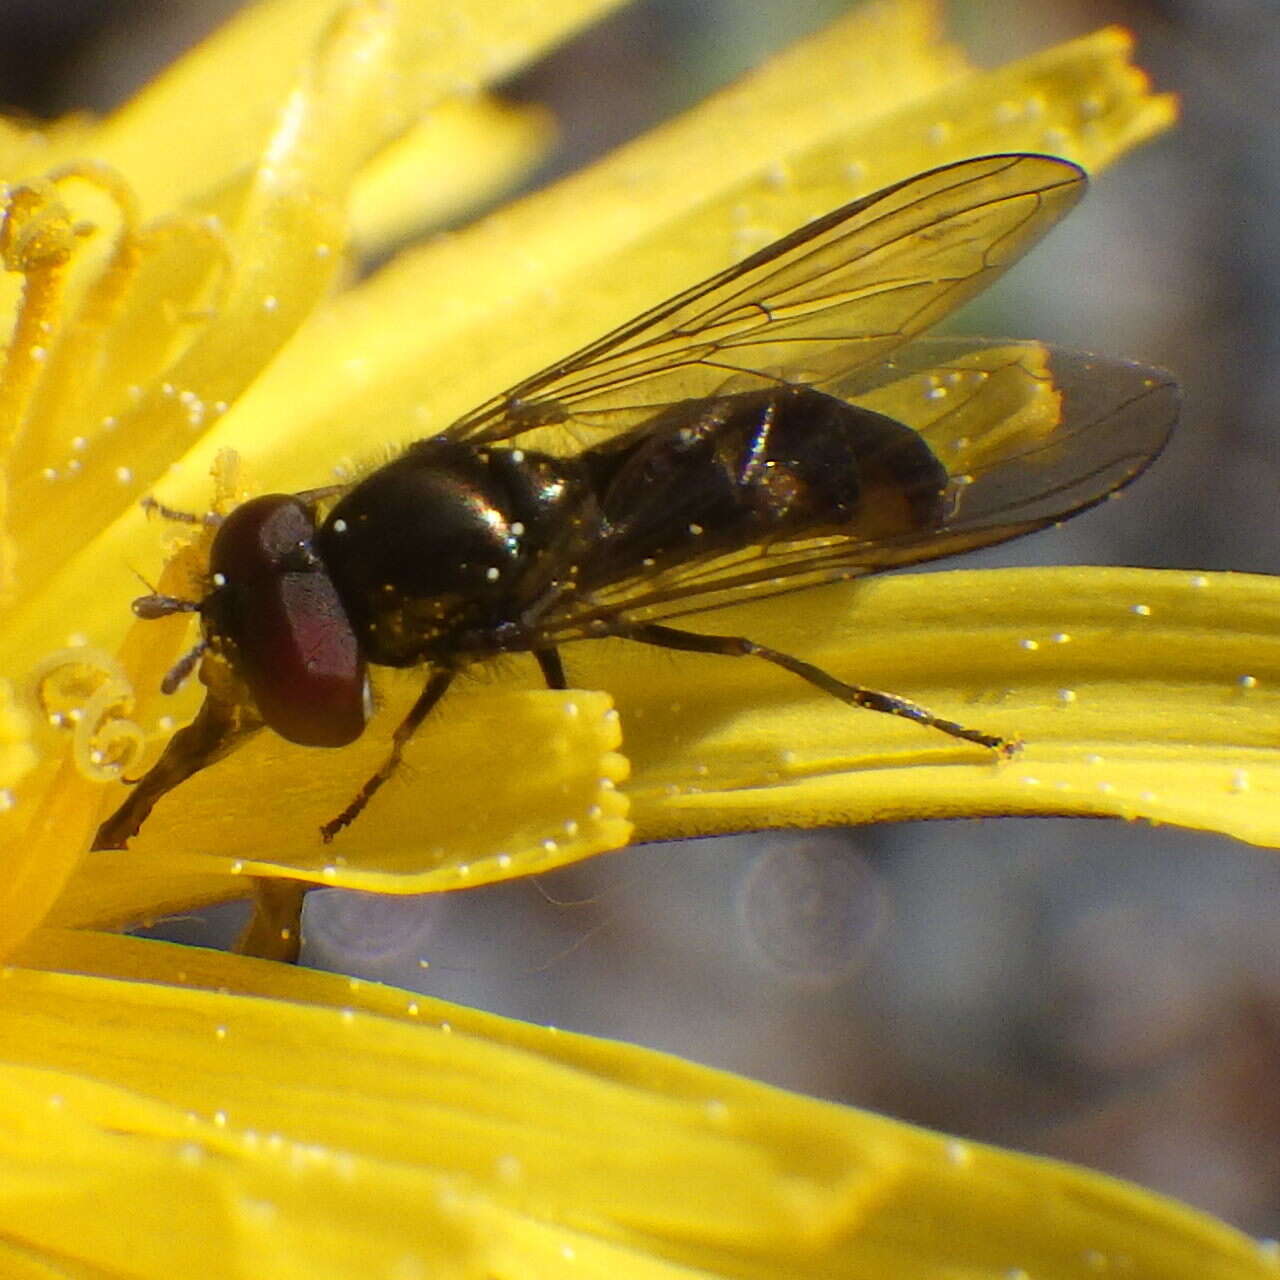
(219, 727)
(435, 689)
(552, 668)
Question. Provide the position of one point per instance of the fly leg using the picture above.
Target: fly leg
(434, 691)
(854, 695)
(219, 727)
(552, 668)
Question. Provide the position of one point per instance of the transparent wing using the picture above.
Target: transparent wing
(836, 296)
(1028, 434)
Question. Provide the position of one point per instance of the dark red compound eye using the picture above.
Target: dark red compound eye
(274, 606)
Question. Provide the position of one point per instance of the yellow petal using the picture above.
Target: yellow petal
(1137, 693)
(344, 1129)
(526, 286)
(553, 270)
(374, 366)
(132, 335)
(502, 786)
(467, 151)
(187, 135)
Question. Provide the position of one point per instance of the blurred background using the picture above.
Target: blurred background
(1095, 991)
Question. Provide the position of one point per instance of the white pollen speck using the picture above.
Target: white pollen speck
(517, 529)
(124, 475)
(491, 574)
(1066, 695)
(777, 176)
(695, 529)
(517, 456)
(270, 303)
(339, 525)
(1198, 580)
(219, 579)
(1239, 782)
(1141, 610)
(1029, 645)
(1248, 682)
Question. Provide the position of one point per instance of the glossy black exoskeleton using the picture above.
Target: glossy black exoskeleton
(713, 450)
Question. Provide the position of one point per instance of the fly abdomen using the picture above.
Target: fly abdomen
(739, 470)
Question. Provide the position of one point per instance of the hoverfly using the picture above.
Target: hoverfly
(724, 445)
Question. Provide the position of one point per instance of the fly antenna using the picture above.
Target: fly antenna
(210, 518)
(155, 606)
(185, 665)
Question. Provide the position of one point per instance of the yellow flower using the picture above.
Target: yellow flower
(176, 280)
